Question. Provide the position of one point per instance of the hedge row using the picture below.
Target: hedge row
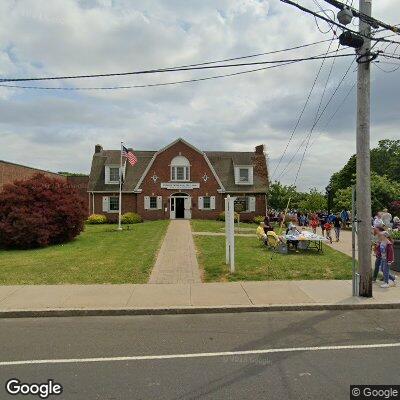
(127, 218)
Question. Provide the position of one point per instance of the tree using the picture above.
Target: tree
(383, 192)
(385, 160)
(279, 195)
(313, 201)
(38, 212)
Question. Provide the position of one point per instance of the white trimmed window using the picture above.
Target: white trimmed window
(244, 175)
(207, 203)
(111, 174)
(180, 169)
(110, 204)
(152, 202)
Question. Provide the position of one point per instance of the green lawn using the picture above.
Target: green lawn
(254, 262)
(199, 225)
(101, 254)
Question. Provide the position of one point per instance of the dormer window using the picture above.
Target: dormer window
(244, 175)
(111, 174)
(180, 169)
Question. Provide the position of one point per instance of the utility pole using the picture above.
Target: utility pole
(363, 155)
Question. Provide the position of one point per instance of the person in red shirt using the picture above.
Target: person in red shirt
(328, 229)
(314, 223)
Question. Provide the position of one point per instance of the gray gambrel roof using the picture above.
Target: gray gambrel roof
(223, 163)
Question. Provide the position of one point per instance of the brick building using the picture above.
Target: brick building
(178, 181)
(10, 172)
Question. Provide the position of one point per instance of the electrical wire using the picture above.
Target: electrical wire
(317, 118)
(301, 112)
(334, 113)
(189, 67)
(323, 111)
(157, 84)
(308, 11)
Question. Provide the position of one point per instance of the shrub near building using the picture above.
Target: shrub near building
(39, 212)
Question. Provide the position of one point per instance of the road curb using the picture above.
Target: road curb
(84, 312)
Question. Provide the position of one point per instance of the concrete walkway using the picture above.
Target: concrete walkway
(177, 262)
(36, 300)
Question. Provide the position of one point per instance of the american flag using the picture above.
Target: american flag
(129, 155)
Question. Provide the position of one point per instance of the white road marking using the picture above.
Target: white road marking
(199, 355)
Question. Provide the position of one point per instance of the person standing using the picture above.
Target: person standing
(386, 254)
(386, 218)
(322, 221)
(337, 224)
(328, 229)
(314, 223)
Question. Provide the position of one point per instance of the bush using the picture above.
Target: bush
(395, 235)
(221, 216)
(96, 219)
(258, 219)
(131, 218)
(38, 212)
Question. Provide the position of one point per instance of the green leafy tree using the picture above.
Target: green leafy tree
(313, 201)
(385, 160)
(279, 195)
(383, 192)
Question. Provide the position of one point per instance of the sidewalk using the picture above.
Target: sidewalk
(177, 261)
(70, 300)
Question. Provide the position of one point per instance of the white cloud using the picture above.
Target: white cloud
(60, 129)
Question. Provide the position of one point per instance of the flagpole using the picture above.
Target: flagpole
(120, 190)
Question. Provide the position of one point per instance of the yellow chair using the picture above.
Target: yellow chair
(273, 240)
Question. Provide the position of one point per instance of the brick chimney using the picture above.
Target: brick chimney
(260, 162)
(98, 148)
(260, 149)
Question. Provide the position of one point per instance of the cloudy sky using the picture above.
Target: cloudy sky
(57, 130)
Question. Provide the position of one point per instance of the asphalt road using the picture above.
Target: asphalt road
(90, 347)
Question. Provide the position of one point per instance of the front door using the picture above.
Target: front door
(179, 207)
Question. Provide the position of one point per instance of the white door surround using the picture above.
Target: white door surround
(180, 206)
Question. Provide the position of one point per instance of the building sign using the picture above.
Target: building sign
(180, 185)
(240, 204)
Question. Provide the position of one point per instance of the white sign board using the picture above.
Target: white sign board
(179, 185)
(230, 231)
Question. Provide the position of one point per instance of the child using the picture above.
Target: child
(328, 229)
(314, 224)
(386, 254)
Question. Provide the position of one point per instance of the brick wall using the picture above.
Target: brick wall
(10, 172)
(128, 204)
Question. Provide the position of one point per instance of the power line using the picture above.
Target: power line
(315, 121)
(162, 84)
(334, 114)
(301, 112)
(190, 67)
(308, 11)
(320, 116)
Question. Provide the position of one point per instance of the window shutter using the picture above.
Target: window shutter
(251, 176)
(107, 174)
(146, 202)
(201, 202)
(252, 204)
(212, 202)
(236, 175)
(105, 204)
(159, 202)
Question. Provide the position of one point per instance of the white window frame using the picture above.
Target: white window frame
(108, 181)
(180, 162)
(238, 181)
(201, 203)
(204, 203)
(147, 202)
(155, 204)
(106, 204)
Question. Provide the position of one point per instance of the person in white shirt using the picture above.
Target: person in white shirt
(386, 218)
